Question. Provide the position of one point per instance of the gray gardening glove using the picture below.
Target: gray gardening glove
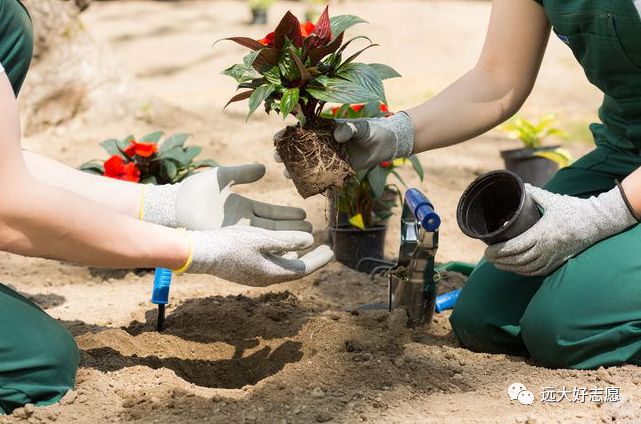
(569, 225)
(254, 256)
(205, 202)
(371, 141)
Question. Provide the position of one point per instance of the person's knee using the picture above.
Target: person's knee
(547, 337)
(63, 360)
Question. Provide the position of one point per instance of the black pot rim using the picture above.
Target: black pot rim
(459, 209)
(526, 152)
(349, 228)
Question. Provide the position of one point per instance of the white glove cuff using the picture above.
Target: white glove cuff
(615, 210)
(1, 68)
(159, 204)
(401, 124)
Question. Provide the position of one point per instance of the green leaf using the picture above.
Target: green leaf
(273, 75)
(168, 170)
(176, 140)
(289, 101)
(339, 90)
(384, 71)
(248, 60)
(258, 96)
(206, 163)
(354, 56)
(111, 147)
(150, 180)
(93, 167)
(154, 137)
(241, 73)
(176, 154)
(377, 178)
(192, 151)
(342, 23)
(416, 164)
(397, 175)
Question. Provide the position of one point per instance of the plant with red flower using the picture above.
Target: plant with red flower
(147, 161)
(359, 110)
(296, 70)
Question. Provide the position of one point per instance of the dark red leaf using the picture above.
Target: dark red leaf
(317, 54)
(323, 28)
(250, 43)
(240, 96)
(266, 59)
(289, 27)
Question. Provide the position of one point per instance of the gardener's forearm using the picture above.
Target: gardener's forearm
(119, 196)
(50, 222)
(632, 189)
(496, 87)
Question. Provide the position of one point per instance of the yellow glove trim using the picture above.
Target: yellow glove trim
(141, 207)
(190, 258)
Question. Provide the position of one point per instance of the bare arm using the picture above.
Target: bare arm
(119, 196)
(38, 219)
(496, 87)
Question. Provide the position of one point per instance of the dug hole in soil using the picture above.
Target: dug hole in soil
(313, 158)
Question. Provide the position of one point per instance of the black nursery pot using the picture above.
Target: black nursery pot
(532, 169)
(496, 208)
(352, 244)
(259, 16)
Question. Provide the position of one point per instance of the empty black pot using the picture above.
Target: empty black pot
(532, 169)
(496, 208)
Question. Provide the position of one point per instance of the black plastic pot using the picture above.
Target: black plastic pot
(496, 208)
(259, 16)
(531, 168)
(352, 244)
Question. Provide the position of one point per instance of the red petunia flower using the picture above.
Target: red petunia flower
(357, 108)
(385, 164)
(384, 108)
(144, 150)
(115, 167)
(306, 29)
(268, 40)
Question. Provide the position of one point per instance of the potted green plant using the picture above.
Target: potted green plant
(359, 211)
(535, 163)
(148, 161)
(296, 70)
(259, 10)
(312, 12)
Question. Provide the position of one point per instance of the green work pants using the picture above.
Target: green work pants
(16, 41)
(588, 312)
(38, 356)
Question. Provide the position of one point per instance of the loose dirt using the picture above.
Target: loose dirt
(317, 349)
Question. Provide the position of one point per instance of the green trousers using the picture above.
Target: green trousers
(16, 41)
(38, 356)
(588, 312)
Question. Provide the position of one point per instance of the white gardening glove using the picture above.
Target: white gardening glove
(370, 141)
(568, 226)
(254, 256)
(205, 202)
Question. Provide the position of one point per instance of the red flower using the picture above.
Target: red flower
(357, 108)
(144, 150)
(385, 164)
(268, 40)
(115, 167)
(384, 108)
(306, 29)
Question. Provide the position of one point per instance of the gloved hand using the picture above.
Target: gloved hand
(254, 256)
(205, 202)
(568, 226)
(371, 141)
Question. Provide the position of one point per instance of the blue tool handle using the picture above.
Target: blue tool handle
(422, 209)
(162, 281)
(446, 301)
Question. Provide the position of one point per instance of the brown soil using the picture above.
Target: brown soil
(314, 160)
(319, 361)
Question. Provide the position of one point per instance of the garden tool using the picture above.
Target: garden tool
(160, 294)
(414, 279)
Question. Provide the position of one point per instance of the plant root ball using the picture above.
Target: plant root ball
(314, 160)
